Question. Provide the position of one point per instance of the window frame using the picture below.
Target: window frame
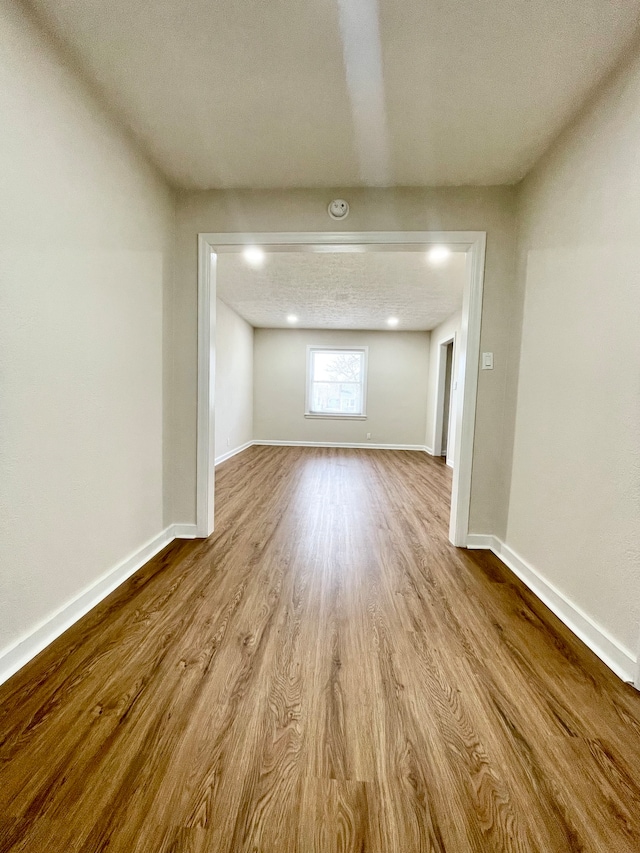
(308, 412)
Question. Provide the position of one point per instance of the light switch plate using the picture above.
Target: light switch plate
(487, 361)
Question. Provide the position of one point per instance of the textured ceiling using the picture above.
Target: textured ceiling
(302, 93)
(355, 290)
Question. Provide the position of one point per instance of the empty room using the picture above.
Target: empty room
(319, 418)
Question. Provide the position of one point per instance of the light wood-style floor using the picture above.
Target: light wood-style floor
(325, 673)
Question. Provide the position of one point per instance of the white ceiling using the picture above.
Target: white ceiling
(354, 290)
(302, 93)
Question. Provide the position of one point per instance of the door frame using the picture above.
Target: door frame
(440, 391)
(473, 243)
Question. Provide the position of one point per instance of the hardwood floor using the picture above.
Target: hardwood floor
(325, 673)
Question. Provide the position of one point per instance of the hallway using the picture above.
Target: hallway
(325, 673)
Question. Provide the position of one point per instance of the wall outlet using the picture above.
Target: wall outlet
(368, 436)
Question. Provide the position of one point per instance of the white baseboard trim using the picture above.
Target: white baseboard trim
(233, 452)
(16, 656)
(368, 445)
(428, 450)
(184, 531)
(481, 541)
(606, 647)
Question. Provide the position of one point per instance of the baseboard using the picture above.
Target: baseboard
(367, 445)
(184, 531)
(482, 541)
(233, 452)
(428, 450)
(17, 655)
(608, 649)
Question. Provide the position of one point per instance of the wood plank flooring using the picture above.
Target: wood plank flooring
(325, 673)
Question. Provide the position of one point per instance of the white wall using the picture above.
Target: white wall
(489, 209)
(85, 236)
(234, 381)
(447, 329)
(396, 387)
(574, 510)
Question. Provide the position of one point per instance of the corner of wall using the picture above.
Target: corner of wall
(168, 373)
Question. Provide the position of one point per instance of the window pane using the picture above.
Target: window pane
(337, 398)
(337, 366)
(336, 382)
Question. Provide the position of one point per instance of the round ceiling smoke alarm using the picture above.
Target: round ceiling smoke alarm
(338, 209)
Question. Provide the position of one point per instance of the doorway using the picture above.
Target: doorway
(445, 418)
(448, 380)
(462, 399)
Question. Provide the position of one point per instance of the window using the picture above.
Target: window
(336, 382)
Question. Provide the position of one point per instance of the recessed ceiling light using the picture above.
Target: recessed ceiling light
(291, 318)
(438, 254)
(254, 256)
(393, 321)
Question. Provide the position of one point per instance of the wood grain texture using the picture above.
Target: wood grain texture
(325, 674)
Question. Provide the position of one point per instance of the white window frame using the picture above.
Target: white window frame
(308, 413)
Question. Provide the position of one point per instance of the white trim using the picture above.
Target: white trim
(233, 452)
(368, 445)
(328, 241)
(468, 362)
(267, 442)
(336, 416)
(440, 389)
(205, 464)
(362, 415)
(184, 531)
(471, 242)
(16, 656)
(607, 648)
(483, 541)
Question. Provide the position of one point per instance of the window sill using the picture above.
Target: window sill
(336, 417)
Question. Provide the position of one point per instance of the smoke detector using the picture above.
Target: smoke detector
(338, 209)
